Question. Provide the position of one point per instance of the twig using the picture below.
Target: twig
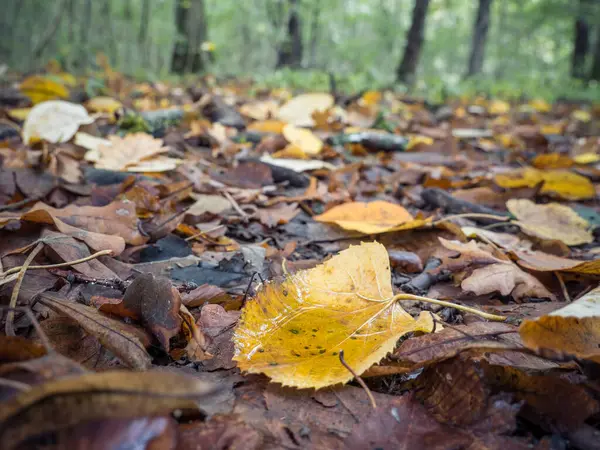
(14, 384)
(56, 266)
(27, 310)
(471, 216)
(418, 298)
(15, 293)
(359, 379)
(250, 285)
(18, 204)
(203, 235)
(174, 193)
(235, 205)
(563, 286)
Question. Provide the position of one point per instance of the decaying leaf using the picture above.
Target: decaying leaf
(551, 221)
(294, 330)
(573, 330)
(369, 218)
(68, 401)
(54, 121)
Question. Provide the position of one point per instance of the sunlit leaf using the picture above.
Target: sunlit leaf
(40, 89)
(564, 183)
(54, 121)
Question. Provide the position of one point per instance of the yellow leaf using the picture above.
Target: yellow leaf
(371, 98)
(572, 330)
(294, 330)
(267, 126)
(369, 218)
(552, 161)
(417, 141)
(498, 107)
(581, 115)
(291, 151)
(18, 113)
(552, 129)
(260, 110)
(567, 184)
(587, 158)
(103, 104)
(298, 111)
(540, 105)
(303, 138)
(40, 89)
(551, 221)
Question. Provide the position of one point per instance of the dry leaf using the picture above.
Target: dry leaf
(566, 184)
(572, 330)
(294, 330)
(212, 204)
(297, 165)
(369, 218)
(545, 262)
(267, 126)
(103, 104)
(298, 111)
(278, 214)
(121, 339)
(507, 279)
(134, 152)
(72, 400)
(54, 121)
(551, 221)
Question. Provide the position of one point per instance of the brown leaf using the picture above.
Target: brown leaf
(278, 215)
(219, 433)
(248, 175)
(69, 401)
(121, 339)
(197, 347)
(206, 293)
(218, 325)
(17, 348)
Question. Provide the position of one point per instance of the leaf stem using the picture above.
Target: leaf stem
(477, 312)
(472, 216)
(56, 266)
(359, 379)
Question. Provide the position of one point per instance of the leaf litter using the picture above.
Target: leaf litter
(270, 270)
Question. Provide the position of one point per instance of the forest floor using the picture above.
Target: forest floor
(219, 267)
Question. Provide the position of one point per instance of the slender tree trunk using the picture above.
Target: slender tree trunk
(51, 31)
(143, 33)
(581, 42)
(113, 51)
(190, 21)
(480, 32)
(595, 71)
(84, 35)
(314, 35)
(290, 52)
(405, 73)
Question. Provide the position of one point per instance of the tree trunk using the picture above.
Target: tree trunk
(480, 32)
(290, 51)
(314, 35)
(143, 32)
(595, 72)
(414, 42)
(581, 43)
(84, 35)
(190, 20)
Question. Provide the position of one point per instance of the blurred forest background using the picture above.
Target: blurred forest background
(540, 47)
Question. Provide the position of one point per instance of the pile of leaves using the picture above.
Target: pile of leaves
(210, 266)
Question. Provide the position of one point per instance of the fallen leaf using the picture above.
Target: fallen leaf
(40, 89)
(297, 165)
(121, 339)
(54, 121)
(157, 303)
(196, 349)
(507, 279)
(298, 111)
(212, 204)
(68, 401)
(303, 139)
(572, 330)
(103, 104)
(267, 126)
(545, 262)
(566, 184)
(369, 218)
(294, 330)
(551, 221)
(219, 433)
(278, 215)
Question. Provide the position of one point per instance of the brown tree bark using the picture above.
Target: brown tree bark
(291, 49)
(581, 41)
(190, 20)
(405, 73)
(480, 32)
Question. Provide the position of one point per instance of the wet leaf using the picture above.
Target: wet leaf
(294, 330)
(551, 221)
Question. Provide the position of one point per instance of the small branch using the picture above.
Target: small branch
(10, 317)
(17, 385)
(359, 379)
(418, 298)
(18, 204)
(563, 286)
(27, 310)
(471, 216)
(235, 206)
(56, 266)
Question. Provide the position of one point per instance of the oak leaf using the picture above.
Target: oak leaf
(551, 221)
(565, 184)
(294, 330)
(369, 218)
(574, 329)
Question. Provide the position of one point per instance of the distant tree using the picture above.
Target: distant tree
(405, 73)
(479, 37)
(289, 53)
(143, 31)
(190, 22)
(581, 40)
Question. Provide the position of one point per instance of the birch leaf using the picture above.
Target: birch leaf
(294, 330)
